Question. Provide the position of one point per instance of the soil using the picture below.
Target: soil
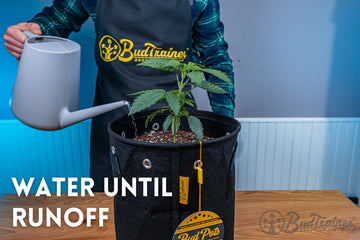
(168, 137)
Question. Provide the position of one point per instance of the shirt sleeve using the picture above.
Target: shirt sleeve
(211, 50)
(62, 18)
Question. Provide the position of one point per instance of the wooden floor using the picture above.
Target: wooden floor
(320, 215)
(260, 215)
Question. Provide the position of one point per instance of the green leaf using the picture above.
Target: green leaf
(173, 102)
(189, 95)
(137, 93)
(195, 66)
(196, 77)
(210, 87)
(191, 66)
(148, 120)
(190, 102)
(153, 63)
(199, 67)
(196, 127)
(167, 122)
(151, 116)
(175, 125)
(221, 75)
(184, 113)
(162, 64)
(146, 99)
(171, 65)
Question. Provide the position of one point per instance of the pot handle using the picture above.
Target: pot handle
(231, 176)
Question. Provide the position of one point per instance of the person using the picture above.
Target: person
(127, 32)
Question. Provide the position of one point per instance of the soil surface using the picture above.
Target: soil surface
(168, 137)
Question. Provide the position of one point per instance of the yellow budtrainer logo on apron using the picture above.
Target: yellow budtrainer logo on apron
(124, 51)
(109, 48)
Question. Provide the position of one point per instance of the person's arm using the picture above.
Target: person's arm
(62, 18)
(212, 51)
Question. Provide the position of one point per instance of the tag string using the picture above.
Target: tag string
(200, 176)
(200, 157)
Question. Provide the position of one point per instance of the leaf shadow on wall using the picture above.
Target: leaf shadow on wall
(343, 98)
(342, 149)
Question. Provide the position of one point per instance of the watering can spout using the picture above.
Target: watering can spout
(68, 118)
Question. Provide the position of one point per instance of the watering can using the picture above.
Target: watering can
(45, 95)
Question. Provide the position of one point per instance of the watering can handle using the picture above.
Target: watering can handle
(29, 34)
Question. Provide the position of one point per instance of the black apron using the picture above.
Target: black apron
(128, 32)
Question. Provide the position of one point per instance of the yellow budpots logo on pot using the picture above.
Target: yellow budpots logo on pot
(204, 225)
(124, 51)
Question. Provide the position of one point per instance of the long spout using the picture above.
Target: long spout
(69, 118)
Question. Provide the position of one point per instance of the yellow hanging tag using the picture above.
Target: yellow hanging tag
(203, 225)
(183, 190)
(200, 175)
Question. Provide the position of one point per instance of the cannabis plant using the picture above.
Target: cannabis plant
(188, 76)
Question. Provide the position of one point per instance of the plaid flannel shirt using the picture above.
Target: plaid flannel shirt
(209, 46)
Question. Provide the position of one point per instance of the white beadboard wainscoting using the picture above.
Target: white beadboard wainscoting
(26, 152)
(299, 153)
(272, 154)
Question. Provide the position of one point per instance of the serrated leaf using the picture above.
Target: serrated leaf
(162, 64)
(173, 102)
(153, 63)
(210, 87)
(199, 67)
(146, 99)
(167, 122)
(196, 77)
(189, 95)
(221, 75)
(171, 65)
(191, 66)
(196, 127)
(190, 102)
(137, 93)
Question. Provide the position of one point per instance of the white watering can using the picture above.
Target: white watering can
(45, 95)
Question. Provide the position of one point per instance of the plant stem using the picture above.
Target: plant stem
(192, 89)
(187, 81)
(177, 79)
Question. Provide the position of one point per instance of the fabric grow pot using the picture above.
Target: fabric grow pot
(157, 217)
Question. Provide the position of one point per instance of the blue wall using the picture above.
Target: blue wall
(294, 58)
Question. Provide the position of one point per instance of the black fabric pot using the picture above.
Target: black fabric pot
(156, 218)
